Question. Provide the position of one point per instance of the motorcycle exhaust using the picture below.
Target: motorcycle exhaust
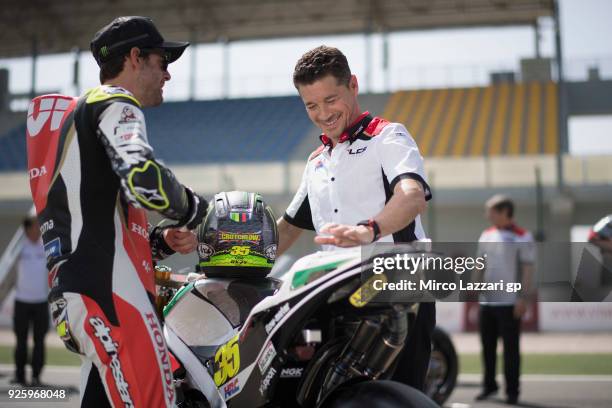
(387, 347)
(352, 354)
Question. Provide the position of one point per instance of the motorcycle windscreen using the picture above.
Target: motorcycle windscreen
(197, 321)
(214, 307)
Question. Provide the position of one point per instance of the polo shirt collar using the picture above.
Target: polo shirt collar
(351, 133)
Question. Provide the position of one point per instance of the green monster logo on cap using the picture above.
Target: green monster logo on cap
(104, 51)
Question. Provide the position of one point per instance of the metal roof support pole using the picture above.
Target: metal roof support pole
(34, 63)
(562, 206)
(368, 49)
(536, 37)
(562, 99)
(368, 62)
(76, 77)
(385, 60)
(539, 202)
(193, 69)
(225, 91)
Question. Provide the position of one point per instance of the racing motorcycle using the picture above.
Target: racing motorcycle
(313, 339)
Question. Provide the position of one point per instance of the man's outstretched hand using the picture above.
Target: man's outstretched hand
(344, 236)
(181, 240)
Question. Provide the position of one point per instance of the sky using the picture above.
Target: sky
(435, 58)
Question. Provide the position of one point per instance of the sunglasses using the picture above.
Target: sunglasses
(145, 52)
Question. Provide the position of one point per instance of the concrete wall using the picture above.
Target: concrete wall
(505, 172)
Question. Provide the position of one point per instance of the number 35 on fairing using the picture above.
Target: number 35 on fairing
(227, 361)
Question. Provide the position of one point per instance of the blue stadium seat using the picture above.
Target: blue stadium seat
(201, 132)
(13, 150)
(234, 130)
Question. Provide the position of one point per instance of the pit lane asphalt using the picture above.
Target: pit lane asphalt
(538, 391)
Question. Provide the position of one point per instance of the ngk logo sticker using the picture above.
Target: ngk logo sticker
(293, 372)
(41, 110)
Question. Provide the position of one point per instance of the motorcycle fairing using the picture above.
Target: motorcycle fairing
(274, 319)
(302, 303)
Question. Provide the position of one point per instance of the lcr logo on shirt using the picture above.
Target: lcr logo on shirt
(357, 151)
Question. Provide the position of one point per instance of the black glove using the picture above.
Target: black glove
(198, 207)
(159, 247)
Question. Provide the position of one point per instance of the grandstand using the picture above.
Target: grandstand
(13, 149)
(497, 120)
(475, 141)
(227, 131)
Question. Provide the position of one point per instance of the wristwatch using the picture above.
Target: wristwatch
(372, 224)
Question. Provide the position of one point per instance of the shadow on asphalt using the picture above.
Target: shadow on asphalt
(501, 401)
(468, 384)
(525, 404)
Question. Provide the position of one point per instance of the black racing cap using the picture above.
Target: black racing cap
(123, 33)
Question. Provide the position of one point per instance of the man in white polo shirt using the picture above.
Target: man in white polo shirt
(510, 254)
(31, 308)
(365, 183)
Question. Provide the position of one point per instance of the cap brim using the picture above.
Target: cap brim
(174, 49)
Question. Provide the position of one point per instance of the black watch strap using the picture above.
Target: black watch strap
(372, 224)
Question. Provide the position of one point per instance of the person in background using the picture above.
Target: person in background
(601, 236)
(501, 312)
(31, 308)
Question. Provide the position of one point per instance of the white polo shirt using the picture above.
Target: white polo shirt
(32, 285)
(507, 250)
(354, 180)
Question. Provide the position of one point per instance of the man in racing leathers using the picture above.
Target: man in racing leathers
(91, 210)
(365, 183)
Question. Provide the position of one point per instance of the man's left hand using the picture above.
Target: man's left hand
(180, 240)
(344, 236)
(520, 307)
